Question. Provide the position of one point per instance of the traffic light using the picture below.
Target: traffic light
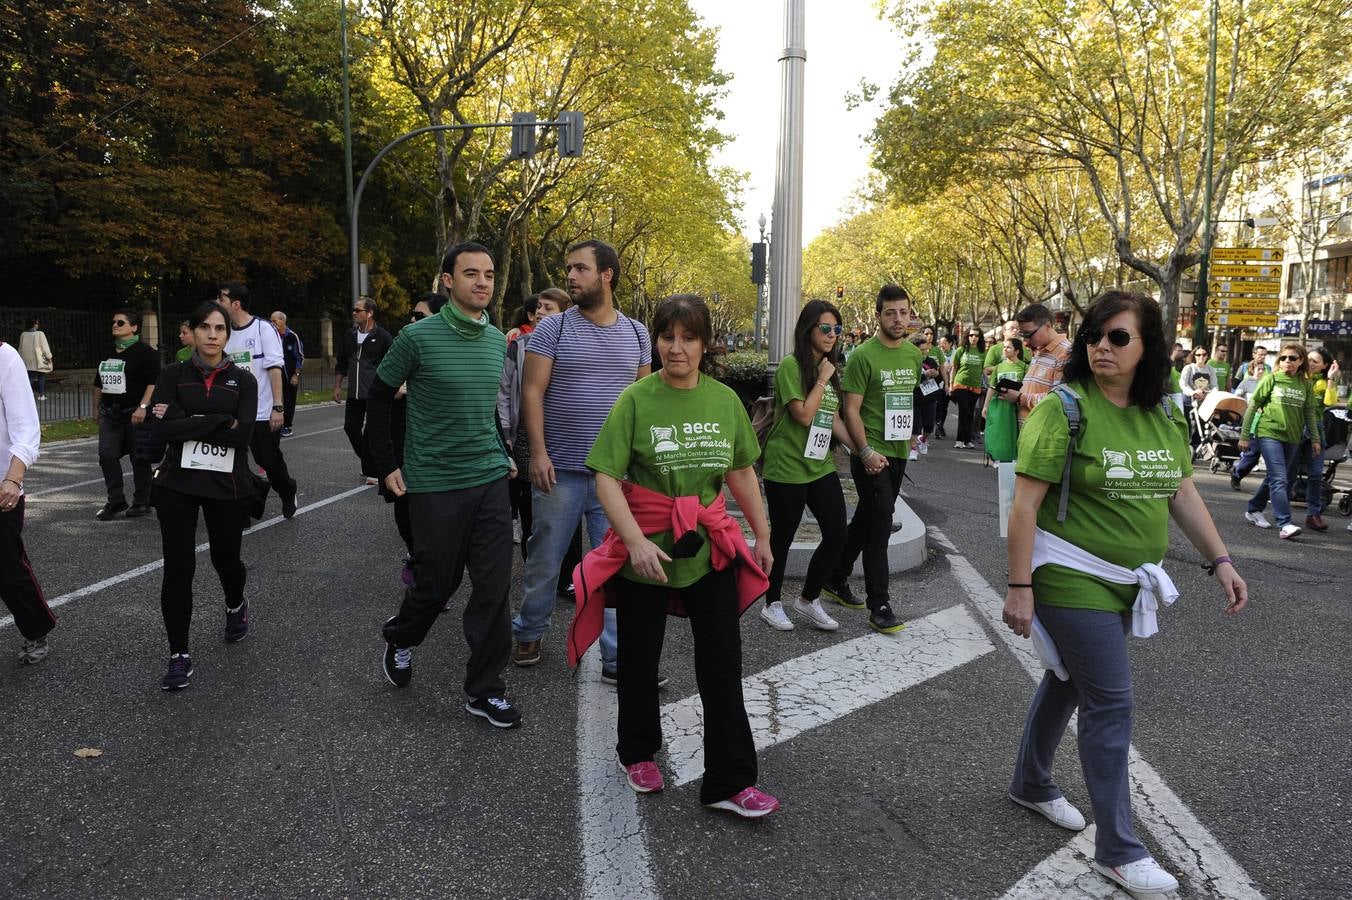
(570, 134)
(758, 262)
(523, 136)
(840, 292)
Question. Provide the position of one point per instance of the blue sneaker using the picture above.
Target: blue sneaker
(237, 623)
(179, 674)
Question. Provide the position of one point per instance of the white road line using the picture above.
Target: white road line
(814, 690)
(1210, 870)
(159, 563)
(614, 857)
(1066, 874)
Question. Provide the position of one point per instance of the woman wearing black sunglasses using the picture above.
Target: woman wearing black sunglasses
(1283, 407)
(799, 468)
(1075, 563)
(965, 388)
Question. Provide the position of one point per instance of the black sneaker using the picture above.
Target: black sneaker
(842, 594)
(882, 619)
(237, 623)
(568, 594)
(398, 663)
(111, 509)
(498, 711)
(137, 510)
(612, 677)
(1234, 482)
(179, 674)
(289, 503)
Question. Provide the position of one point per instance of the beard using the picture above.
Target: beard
(588, 299)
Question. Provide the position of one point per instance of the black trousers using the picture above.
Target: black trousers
(289, 392)
(871, 527)
(967, 401)
(786, 501)
(641, 622)
(404, 522)
(118, 438)
(226, 521)
(926, 412)
(454, 530)
(266, 447)
(941, 414)
(19, 587)
(354, 426)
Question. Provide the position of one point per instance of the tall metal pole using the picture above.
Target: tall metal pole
(786, 253)
(1204, 269)
(760, 295)
(347, 116)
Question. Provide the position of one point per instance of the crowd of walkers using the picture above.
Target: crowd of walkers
(610, 445)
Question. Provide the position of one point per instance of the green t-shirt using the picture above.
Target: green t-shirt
(995, 354)
(1014, 370)
(794, 453)
(678, 442)
(886, 377)
(1222, 370)
(1126, 467)
(968, 363)
(183, 355)
(453, 367)
(938, 356)
(1282, 407)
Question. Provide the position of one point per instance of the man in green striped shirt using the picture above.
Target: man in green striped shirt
(455, 471)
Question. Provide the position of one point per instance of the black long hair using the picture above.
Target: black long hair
(1151, 381)
(802, 344)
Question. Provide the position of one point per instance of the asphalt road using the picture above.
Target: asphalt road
(290, 766)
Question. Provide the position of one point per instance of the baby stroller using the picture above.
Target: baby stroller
(1335, 453)
(1217, 420)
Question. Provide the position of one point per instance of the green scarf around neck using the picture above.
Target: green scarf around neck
(124, 343)
(467, 328)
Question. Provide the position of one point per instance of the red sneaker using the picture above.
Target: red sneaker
(751, 803)
(644, 777)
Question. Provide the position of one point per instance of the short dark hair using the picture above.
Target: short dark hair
(238, 291)
(1151, 380)
(132, 315)
(606, 258)
(558, 295)
(448, 261)
(1018, 345)
(1035, 312)
(205, 309)
(691, 311)
(434, 301)
(888, 293)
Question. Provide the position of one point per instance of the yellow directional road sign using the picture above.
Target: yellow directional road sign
(1246, 287)
(1245, 304)
(1265, 273)
(1238, 254)
(1237, 320)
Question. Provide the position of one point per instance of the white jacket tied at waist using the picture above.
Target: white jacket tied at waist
(1155, 584)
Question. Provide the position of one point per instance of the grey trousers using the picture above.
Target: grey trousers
(1093, 646)
(454, 531)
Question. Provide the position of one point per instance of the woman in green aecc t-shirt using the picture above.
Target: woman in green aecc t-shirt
(678, 435)
(1130, 471)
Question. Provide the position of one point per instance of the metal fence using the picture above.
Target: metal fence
(77, 337)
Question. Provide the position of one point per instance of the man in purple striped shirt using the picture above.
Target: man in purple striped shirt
(577, 363)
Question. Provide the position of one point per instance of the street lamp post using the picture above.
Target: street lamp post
(347, 116)
(760, 291)
(786, 258)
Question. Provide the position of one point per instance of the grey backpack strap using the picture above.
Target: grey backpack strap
(1070, 403)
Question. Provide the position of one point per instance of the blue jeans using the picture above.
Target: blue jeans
(1093, 646)
(555, 518)
(1314, 479)
(1280, 459)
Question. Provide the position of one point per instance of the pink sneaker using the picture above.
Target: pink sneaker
(643, 777)
(751, 803)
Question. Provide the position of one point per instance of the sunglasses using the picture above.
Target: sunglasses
(355, 311)
(1288, 358)
(120, 323)
(973, 334)
(417, 316)
(1028, 334)
(830, 329)
(1118, 337)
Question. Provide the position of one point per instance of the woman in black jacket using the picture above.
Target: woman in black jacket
(205, 407)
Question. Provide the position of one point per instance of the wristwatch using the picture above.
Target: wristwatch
(279, 409)
(144, 406)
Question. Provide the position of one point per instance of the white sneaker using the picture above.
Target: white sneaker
(1257, 518)
(1349, 526)
(773, 615)
(1144, 876)
(1290, 530)
(924, 448)
(913, 456)
(814, 613)
(1059, 812)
